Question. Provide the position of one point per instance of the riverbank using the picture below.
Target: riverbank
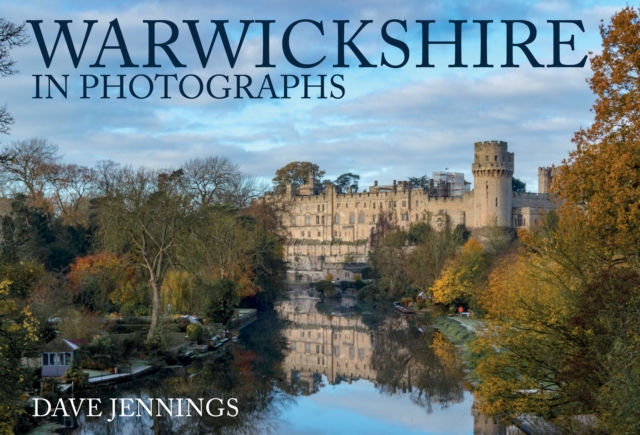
(455, 330)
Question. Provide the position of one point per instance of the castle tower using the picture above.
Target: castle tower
(492, 179)
(545, 176)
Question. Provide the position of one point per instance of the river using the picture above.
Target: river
(312, 367)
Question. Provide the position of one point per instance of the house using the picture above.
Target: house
(56, 357)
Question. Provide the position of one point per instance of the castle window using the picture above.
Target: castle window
(338, 205)
(357, 204)
(319, 233)
(495, 158)
(362, 217)
(352, 218)
(337, 219)
(373, 205)
(416, 216)
(322, 207)
(302, 233)
(308, 233)
(487, 189)
(293, 221)
(496, 202)
(307, 220)
(317, 220)
(322, 220)
(380, 205)
(487, 159)
(404, 203)
(519, 220)
(365, 205)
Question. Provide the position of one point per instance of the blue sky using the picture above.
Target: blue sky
(391, 123)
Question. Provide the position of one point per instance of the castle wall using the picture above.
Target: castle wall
(326, 226)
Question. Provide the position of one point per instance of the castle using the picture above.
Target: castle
(327, 226)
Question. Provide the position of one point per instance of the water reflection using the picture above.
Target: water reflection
(320, 367)
(400, 354)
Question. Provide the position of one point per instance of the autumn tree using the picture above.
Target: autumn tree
(433, 249)
(11, 36)
(296, 173)
(148, 216)
(460, 280)
(18, 334)
(600, 182)
(563, 331)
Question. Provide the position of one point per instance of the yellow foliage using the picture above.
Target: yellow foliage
(461, 276)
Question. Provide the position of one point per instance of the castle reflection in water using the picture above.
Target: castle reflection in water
(338, 345)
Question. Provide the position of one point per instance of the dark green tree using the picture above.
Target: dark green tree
(518, 185)
(347, 180)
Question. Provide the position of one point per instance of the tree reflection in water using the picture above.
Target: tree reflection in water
(424, 364)
(347, 341)
(249, 370)
(293, 352)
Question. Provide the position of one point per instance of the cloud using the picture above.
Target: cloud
(391, 124)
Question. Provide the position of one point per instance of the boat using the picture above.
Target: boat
(402, 309)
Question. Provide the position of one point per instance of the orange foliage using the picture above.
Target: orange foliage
(91, 265)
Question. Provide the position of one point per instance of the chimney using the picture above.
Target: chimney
(375, 183)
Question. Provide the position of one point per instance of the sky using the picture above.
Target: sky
(390, 124)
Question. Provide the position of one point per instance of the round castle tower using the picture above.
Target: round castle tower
(492, 180)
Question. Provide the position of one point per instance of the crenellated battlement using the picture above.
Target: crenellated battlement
(335, 222)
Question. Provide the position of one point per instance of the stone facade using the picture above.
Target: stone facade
(325, 224)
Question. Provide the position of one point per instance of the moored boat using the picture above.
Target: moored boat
(402, 309)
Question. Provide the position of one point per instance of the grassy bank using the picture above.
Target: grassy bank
(455, 332)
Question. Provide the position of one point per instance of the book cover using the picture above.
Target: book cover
(292, 217)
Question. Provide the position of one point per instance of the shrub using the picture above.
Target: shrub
(359, 284)
(406, 301)
(195, 331)
(326, 288)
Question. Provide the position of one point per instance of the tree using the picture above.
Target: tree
(11, 36)
(461, 278)
(518, 185)
(600, 182)
(29, 167)
(346, 181)
(18, 334)
(72, 186)
(224, 297)
(209, 179)
(564, 333)
(428, 259)
(149, 217)
(297, 173)
(417, 182)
